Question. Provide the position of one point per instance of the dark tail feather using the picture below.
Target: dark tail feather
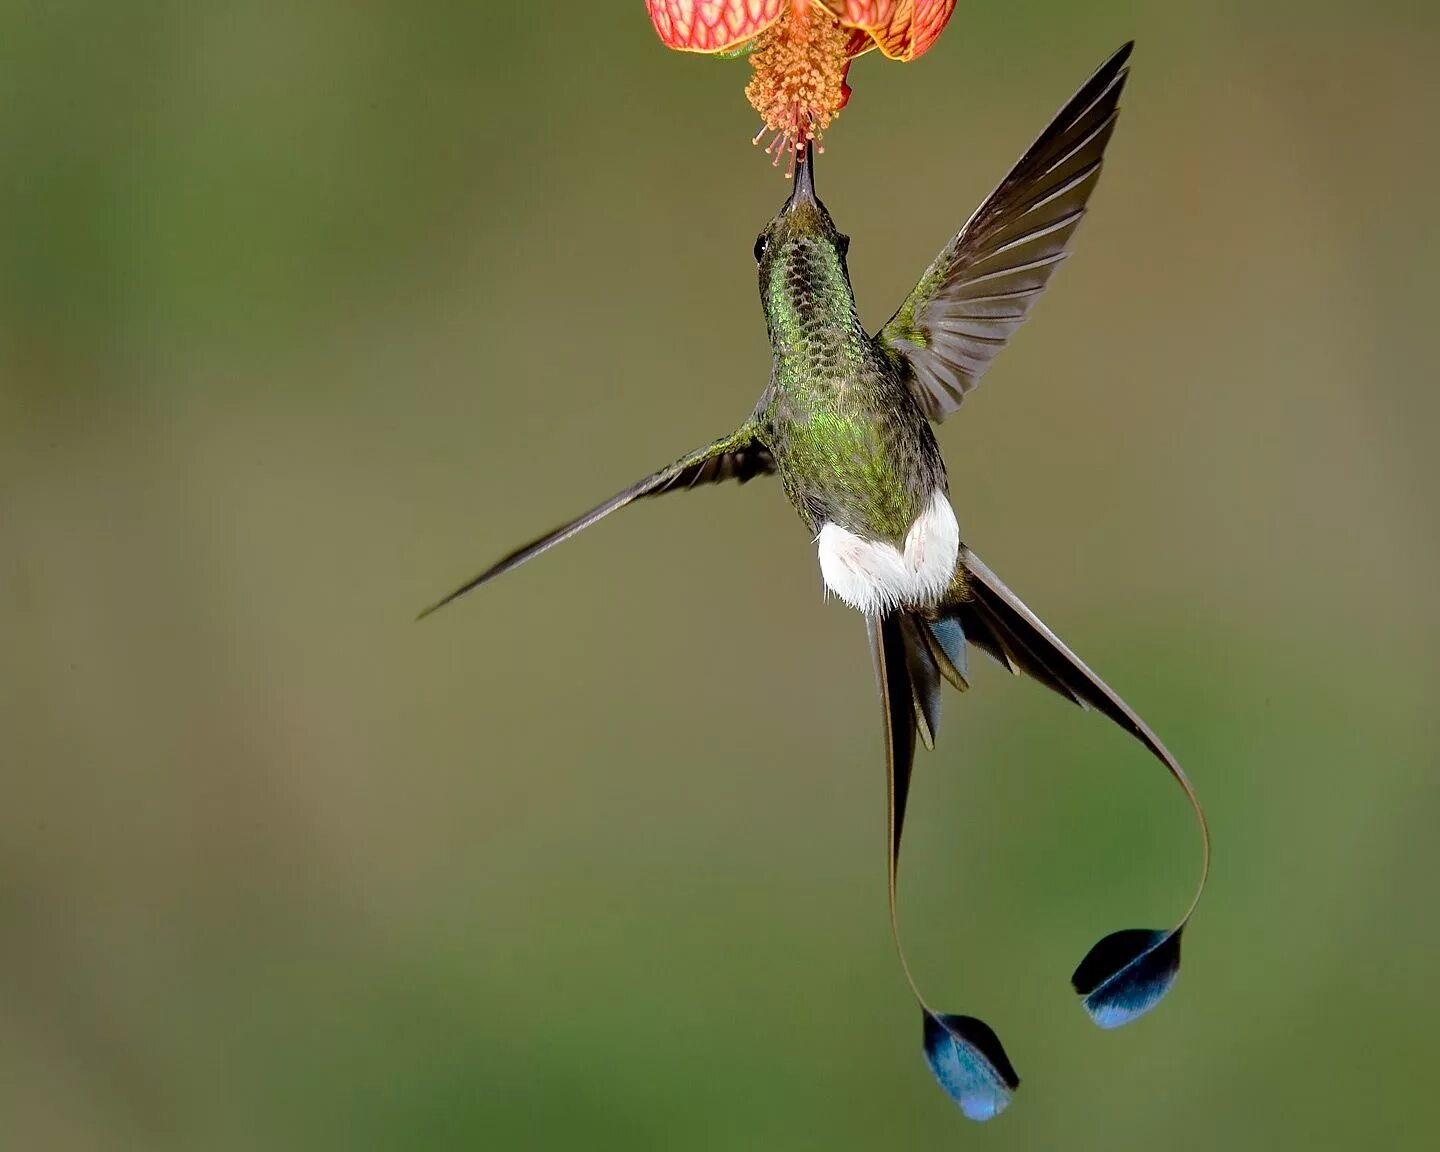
(1127, 972)
(924, 676)
(911, 656)
(897, 701)
(946, 639)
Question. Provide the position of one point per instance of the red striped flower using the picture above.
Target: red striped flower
(800, 50)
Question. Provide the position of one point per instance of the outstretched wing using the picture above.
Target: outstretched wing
(984, 282)
(736, 457)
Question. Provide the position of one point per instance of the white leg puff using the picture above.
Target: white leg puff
(876, 577)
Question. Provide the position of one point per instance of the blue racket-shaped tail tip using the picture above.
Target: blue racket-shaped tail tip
(1127, 973)
(969, 1062)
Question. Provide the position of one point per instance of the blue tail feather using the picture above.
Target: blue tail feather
(969, 1061)
(1127, 973)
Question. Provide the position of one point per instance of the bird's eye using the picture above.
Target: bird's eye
(761, 243)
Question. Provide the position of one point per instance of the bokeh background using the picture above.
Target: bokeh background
(309, 311)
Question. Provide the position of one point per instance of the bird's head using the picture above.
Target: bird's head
(801, 260)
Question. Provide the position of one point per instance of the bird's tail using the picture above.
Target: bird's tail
(912, 656)
(1127, 972)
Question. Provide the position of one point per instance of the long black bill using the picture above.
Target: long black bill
(804, 190)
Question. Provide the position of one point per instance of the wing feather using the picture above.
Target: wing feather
(738, 457)
(982, 285)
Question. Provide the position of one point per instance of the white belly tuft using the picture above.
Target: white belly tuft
(876, 577)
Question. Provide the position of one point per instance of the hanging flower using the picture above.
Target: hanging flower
(800, 51)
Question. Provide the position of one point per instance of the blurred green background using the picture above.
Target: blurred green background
(309, 311)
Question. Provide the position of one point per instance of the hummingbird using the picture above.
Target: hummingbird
(846, 424)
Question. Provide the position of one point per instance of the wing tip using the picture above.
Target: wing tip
(468, 586)
(435, 607)
(1116, 62)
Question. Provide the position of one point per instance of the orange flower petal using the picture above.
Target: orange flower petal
(903, 29)
(860, 43)
(712, 25)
